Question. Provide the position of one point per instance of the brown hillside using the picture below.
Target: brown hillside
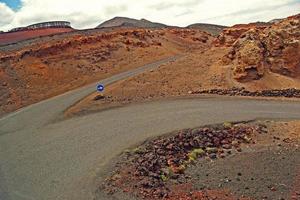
(37, 71)
(12, 37)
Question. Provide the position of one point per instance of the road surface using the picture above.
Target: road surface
(43, 156)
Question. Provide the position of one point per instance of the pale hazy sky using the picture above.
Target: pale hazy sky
(90, 13)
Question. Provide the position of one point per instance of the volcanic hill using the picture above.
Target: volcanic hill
(210, 28)
(129, 22)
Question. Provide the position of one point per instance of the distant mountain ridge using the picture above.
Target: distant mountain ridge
(143, 23)
(210, 28)
(129, 22)
(275, 20)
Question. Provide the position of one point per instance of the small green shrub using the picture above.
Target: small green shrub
(227, 125)
(163, 177)
(193, 155)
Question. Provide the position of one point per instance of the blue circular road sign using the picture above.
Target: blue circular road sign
(100, 87)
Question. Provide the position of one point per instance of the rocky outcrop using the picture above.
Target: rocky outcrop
(275, 48)
(229, 35)
(248, 53)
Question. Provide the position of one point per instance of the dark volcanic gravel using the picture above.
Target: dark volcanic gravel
(260, 174)
(148, 170)
(289, 93)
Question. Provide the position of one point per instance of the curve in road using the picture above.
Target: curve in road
(43, 160)
(38, 114)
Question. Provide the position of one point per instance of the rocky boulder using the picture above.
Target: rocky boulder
(275, 48)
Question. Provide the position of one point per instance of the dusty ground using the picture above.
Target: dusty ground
(195, 70)
(266, 168)
(199, 70)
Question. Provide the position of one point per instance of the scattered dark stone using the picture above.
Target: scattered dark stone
(212, 150)
(222, 155)
(226, 146)
(195, 131)
(276, 138)
(166, 157)
(287, 140)
(289, 93)
(213, 156)
(99, 97)
(174, 176)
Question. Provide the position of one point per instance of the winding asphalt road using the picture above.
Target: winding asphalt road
(43, 156)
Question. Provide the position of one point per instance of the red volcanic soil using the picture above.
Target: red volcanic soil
(12, 37)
